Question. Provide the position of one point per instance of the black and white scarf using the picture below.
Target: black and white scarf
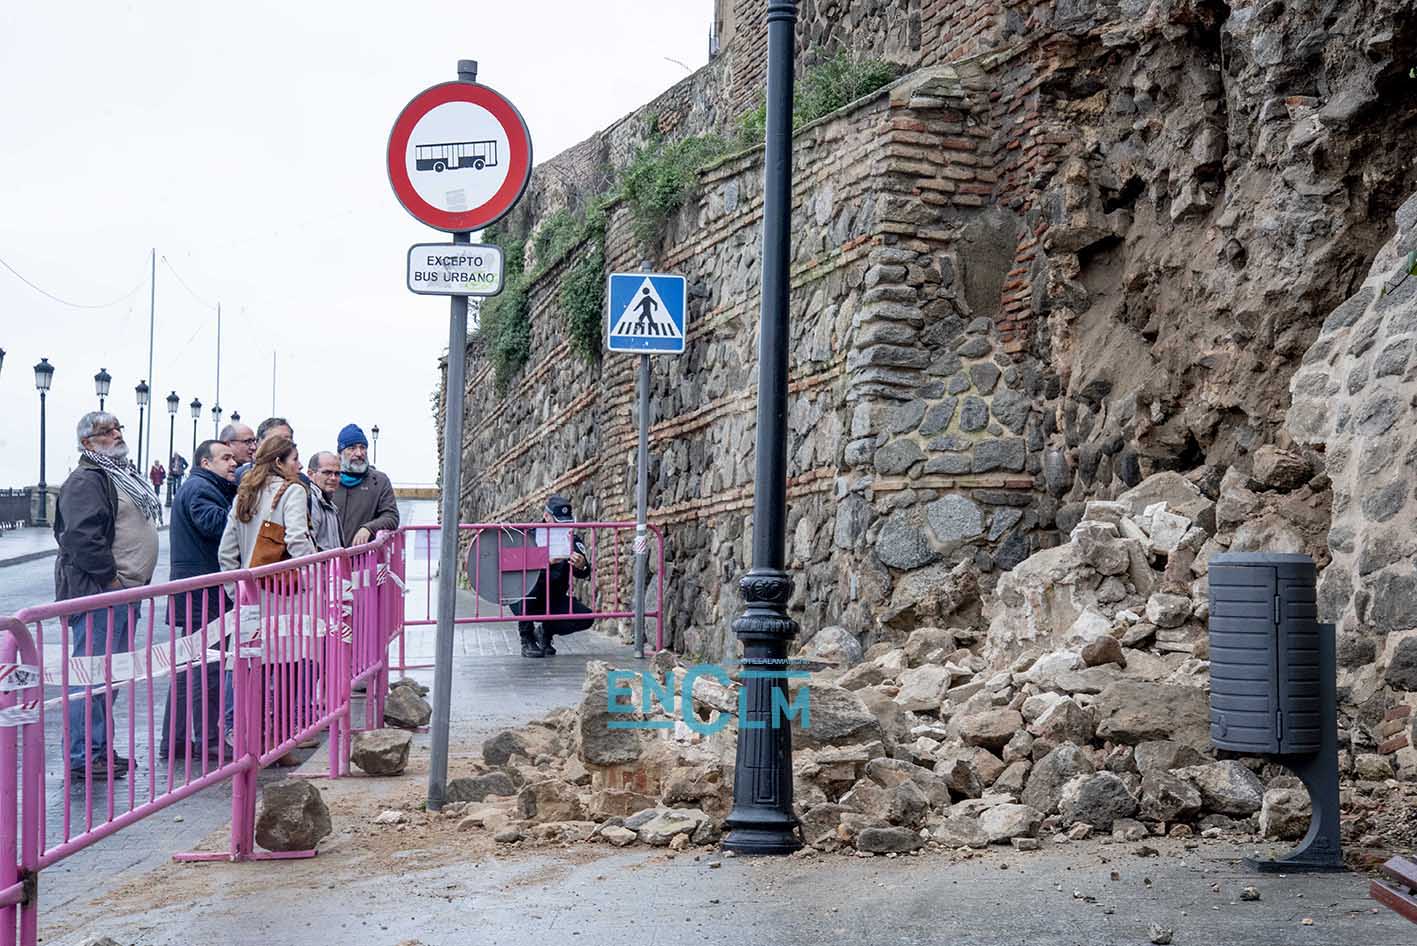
(126, 478)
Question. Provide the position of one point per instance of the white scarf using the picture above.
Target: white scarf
(125, 477)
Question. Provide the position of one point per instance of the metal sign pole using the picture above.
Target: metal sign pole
(448, 550)
(642, 500)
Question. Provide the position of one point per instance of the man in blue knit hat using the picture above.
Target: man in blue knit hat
(364, 497)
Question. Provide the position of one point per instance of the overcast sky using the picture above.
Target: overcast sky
(245, 141)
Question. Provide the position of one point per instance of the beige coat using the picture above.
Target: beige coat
(238, 542)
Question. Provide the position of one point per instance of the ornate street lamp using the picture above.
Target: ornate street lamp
(43, 376)
(196, 406)
(236, 417)
(2, 357)
(216, 421)
(762, 821)
(173, 403)
(142, 391)
(101, 382)
(375, 431)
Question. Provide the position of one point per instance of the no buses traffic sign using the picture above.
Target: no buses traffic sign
(459, 156)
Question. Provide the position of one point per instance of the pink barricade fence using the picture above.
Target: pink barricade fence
(212, 679)
(509, 568)
(252, 663)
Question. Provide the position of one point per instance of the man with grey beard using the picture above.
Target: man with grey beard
(106, 528)
(364, 496)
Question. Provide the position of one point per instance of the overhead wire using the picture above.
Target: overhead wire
(73, 305)
(183, 283)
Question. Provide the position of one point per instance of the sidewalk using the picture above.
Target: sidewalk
(26, 545)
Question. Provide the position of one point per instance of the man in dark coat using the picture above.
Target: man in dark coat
(106, 529)
(199, 514)
(364, 496)
(554, 596)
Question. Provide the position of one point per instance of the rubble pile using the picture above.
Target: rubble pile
(1075, 706)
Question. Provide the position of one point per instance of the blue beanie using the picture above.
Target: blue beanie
(351, 435)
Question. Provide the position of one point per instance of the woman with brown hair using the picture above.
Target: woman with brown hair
(270, 492)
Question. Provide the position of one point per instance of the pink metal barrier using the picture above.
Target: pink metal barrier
(521, 566)
(258, 661)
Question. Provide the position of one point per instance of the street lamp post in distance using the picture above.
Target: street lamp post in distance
(173, 403)
(43, 377)
(142, 391)
(101, 383)
(196, 406)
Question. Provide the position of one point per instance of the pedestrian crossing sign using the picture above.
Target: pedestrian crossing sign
(646, 313)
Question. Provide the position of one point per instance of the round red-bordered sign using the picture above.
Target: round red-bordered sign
(459, 156)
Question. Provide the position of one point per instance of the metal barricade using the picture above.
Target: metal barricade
(516, 561)
(256, 661)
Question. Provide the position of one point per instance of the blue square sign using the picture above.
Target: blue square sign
(646, 314)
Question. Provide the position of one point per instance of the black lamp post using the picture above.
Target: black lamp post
(43, 375)
(216, 421)
(236, 417)
(142, 391)
(375, 431)
(101, 382)
(196, 406)
(762, 821)
(173, 402)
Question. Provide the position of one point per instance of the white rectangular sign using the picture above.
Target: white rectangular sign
(455, 269)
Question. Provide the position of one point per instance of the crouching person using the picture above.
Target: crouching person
(554, 596)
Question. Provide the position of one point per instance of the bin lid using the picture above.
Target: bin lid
(1261, 558)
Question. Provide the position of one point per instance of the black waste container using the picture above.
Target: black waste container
(1265, 683)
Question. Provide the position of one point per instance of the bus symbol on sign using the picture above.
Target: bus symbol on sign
(454, 155)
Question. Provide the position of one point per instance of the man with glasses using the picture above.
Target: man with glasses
(242, 441)
(323, 474)
(106, 529)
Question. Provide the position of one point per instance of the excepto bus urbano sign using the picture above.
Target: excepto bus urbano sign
(455, 269)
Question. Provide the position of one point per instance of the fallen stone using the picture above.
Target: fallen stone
(1051, 773)
(1003, 822)
(923, 688)
(391, 816)
(959, 831)
(1103, 650)
(926, 640)
(1160, 935)
(819, 826)
(1065, 721)
(1227, 788)
(837, 716)
(478, 787)
(508, 835)
(1372, 767)
(1128, 829)
(529, 742)
(835, 644)
(891, 772)
(293, 817)
(406, 709)
(1167, 611)
(1249, 894)
(1024, 844)
(1165, 755)
(861, 676)
(1280, 469)
(1285, 813)
(409, 682)
(991, 729)
(601, 744)
(1098, 799)
(550, 800)
(1166, 797)
(890, 840)
(1180, 495)
(619, 836)
(660, 829)
(381, 751)
(1135, 712)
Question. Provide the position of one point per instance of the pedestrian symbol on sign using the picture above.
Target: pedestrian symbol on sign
(646, 313)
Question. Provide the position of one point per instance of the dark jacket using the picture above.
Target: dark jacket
(84, 527)
(368, 505)
(199, 514)
(560, 575)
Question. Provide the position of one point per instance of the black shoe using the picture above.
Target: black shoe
(543, 640)
(99, 768)
(530, 649)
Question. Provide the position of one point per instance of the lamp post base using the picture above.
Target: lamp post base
(761, 832)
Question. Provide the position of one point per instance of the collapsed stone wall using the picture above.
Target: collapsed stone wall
(1076, 245)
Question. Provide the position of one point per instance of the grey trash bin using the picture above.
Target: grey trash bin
(1273, 687)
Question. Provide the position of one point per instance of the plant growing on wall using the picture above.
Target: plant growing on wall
(505, 323)
(829, 85)
(663, 176)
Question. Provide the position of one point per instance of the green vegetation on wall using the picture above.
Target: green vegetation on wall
(662, 177)
(829, 85)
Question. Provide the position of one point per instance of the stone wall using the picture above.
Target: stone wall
(1077, 244)
(1353, 400)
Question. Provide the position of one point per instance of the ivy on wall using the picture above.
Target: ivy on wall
(660, 179)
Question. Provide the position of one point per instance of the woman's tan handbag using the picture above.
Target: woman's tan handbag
(270, 540)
